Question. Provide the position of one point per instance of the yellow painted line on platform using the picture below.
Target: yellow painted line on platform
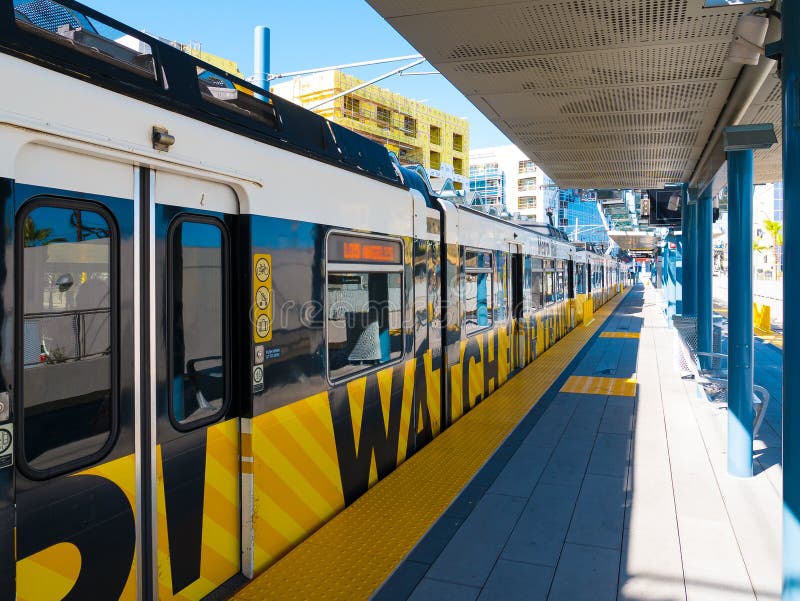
(772, 338)
(351, 556)
(598, 385)
(619, 335)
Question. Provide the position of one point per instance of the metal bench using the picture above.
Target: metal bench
(713, 381)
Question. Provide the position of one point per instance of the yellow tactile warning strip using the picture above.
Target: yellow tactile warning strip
(619, 334)
(768, 336)
(356, 551)
(598, 385)
(773, 338)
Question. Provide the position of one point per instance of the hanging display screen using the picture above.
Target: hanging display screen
(357, 249)
(665, 207)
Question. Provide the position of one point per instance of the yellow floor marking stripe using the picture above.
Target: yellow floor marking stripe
(355, 552)
(619, 334)
(770, 337)
(597, 385)
(773, 338)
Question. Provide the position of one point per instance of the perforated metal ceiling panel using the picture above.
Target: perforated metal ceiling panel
(600, 93)
(766, 108)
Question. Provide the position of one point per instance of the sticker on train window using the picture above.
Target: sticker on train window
(357, 249)
(6, 445)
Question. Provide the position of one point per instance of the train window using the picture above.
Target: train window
(474, 259)
(527, 293)
(364, 303)
(502, 265)
(560, 280)
(85, 34)
(67, 354)
(197, 321)
(531, 288)
(478, 290)
(219, 90)
(580, 278)
(537, 283)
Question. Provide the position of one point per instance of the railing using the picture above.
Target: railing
(57, 337)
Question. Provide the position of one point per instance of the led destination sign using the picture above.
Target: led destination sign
(355, 249)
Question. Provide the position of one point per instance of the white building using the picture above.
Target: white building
(503, 174)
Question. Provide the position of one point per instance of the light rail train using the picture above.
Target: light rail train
(224, 318)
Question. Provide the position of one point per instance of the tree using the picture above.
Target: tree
(774, 230)
(33, 236)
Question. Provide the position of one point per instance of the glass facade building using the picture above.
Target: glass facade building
(579, 216)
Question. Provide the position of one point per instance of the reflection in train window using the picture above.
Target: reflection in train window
(222, 91)
(527, 295)
(478, 293)
(580, 278)
(67, 335)
(537, 283)
(79, 32)
(364, 320)
(197, 321)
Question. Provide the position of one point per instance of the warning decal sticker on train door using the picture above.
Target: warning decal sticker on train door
(262, 298)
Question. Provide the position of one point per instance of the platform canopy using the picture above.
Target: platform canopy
(602, 93)
(644, 242)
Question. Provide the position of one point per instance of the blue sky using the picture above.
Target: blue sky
(305, 34)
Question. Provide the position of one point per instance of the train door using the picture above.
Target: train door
(571, 292)
(197, 292)
(515, 296)
(68, 388)
(428, 398)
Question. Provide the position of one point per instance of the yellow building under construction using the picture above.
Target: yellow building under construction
(416, 132)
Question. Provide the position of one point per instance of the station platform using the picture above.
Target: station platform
(596, 473)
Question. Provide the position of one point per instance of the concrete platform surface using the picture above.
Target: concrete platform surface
(618, 492)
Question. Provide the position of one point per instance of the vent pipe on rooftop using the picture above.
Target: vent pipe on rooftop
(261, 57)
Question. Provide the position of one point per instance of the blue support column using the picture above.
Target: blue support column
(791, 297)
(669, 277)
(740, 313)
(665, 277)
(689, 256)
(261, 57)
(678, 261)
(705, 259)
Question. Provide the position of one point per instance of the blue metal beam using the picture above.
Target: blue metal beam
(740, 313)
(689, 229)
(705, 259)
(677, 260)
(791, 297)
(669, 288)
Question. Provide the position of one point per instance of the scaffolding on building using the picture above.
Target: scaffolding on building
(416, 132)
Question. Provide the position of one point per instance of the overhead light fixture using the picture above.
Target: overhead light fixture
(755, 136)
(748, 39)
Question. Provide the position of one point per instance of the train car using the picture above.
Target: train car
(224, 317)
